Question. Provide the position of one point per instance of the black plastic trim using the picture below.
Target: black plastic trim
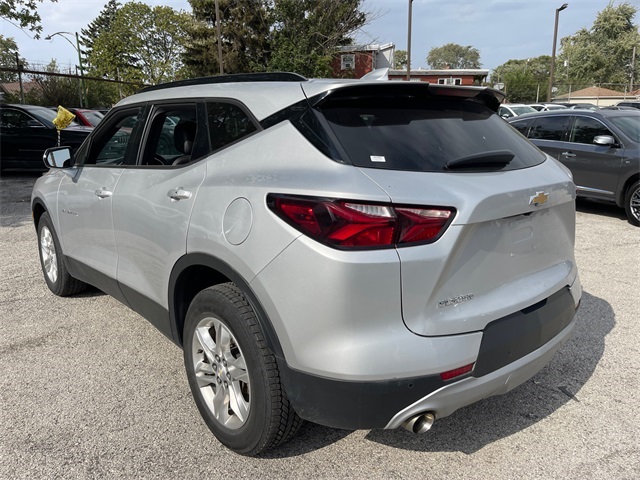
(354, 405)
(155, 313)
(512, 337)
(233, 78)
(201, 259)
(90, 275)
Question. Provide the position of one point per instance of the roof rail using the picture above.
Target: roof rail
(236, 77)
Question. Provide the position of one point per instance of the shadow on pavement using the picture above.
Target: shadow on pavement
(597, 207)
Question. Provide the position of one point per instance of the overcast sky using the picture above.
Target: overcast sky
(500, 29)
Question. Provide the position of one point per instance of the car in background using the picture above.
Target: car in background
(509, 110)
(446, 259)
(28, 130)
(87, 117)
(546, 107)
(629, 104)
(580, 106)
(601, 148)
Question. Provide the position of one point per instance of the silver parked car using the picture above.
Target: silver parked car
(357, 254)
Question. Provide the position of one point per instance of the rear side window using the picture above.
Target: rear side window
(522, 126)
(227, 123)
(422, 134)
(549, 128)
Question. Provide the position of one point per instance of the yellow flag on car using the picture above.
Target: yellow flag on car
(63, 119)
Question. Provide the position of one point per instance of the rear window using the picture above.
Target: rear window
(422, 134)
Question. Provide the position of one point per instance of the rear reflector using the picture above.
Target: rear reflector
(456, 372)
(354, 225)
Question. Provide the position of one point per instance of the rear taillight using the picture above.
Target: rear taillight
(356, 225)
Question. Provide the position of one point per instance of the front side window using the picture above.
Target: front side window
(549, 128)
(585, 129)
(111, 144)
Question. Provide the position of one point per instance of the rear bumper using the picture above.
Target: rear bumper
(512, 350)
(448, 399)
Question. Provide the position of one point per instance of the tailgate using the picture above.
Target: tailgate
(505, 250)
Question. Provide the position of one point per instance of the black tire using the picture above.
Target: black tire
(632, 204)
(55, 272)
(270, 421)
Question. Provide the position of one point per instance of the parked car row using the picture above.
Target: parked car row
(28, 130)
(601, 148)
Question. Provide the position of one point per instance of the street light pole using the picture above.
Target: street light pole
(409, 43)
(553, 52)
(77, 48)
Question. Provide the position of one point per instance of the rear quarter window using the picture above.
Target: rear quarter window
(422, 134)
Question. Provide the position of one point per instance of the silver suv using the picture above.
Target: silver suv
(356, 254)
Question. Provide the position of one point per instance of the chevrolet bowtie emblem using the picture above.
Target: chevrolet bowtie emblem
(538, 199)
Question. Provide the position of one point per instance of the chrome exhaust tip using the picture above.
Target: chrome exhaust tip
(420, 423)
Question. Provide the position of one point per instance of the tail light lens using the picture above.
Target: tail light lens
(354, 225)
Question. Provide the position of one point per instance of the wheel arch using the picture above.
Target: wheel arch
(37, 210)
(193, 273)
(627, 184)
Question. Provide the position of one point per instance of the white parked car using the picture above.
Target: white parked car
(509, 110)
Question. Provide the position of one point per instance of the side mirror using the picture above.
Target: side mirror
(57, 157)
(604, 140)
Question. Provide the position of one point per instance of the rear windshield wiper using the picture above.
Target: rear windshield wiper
(494, 159)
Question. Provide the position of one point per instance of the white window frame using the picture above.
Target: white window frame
(348, 61)
(450, 81)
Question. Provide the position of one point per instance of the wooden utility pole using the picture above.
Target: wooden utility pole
(19, 66)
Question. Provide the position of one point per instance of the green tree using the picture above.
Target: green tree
(400, 60)
(23, 13)
(524, 80)
(602, 54)
(99, 25)
(305, 33)
(143, 44)
(453, 55)
(244, 28)
(8, 50)
(54, 91)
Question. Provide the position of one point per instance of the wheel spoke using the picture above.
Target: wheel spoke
(207, 344)
(238, 369)
(238, 404)
(220, 405)
(205, 374)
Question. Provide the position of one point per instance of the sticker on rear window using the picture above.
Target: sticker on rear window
(378, 158)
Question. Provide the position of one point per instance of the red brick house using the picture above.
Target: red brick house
(463, 76)
(355, 61)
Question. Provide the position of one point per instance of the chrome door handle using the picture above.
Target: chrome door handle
(104, 193)
(568, 154)
(178, 194)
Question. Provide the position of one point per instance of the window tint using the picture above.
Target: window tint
(111, 145)
(522, 126)
(10, 118)
(549, 128)
(629, 125)
(585, 129)
(408, 133)
(174, 136)
(227, 123)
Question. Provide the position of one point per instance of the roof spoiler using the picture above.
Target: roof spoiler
(489, 97)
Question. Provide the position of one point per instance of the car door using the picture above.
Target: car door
(23, 139)
(549, 134)
(85, 200)
(595, 168)
(152, 205)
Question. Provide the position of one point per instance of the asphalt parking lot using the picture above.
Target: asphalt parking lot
(89, 389)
